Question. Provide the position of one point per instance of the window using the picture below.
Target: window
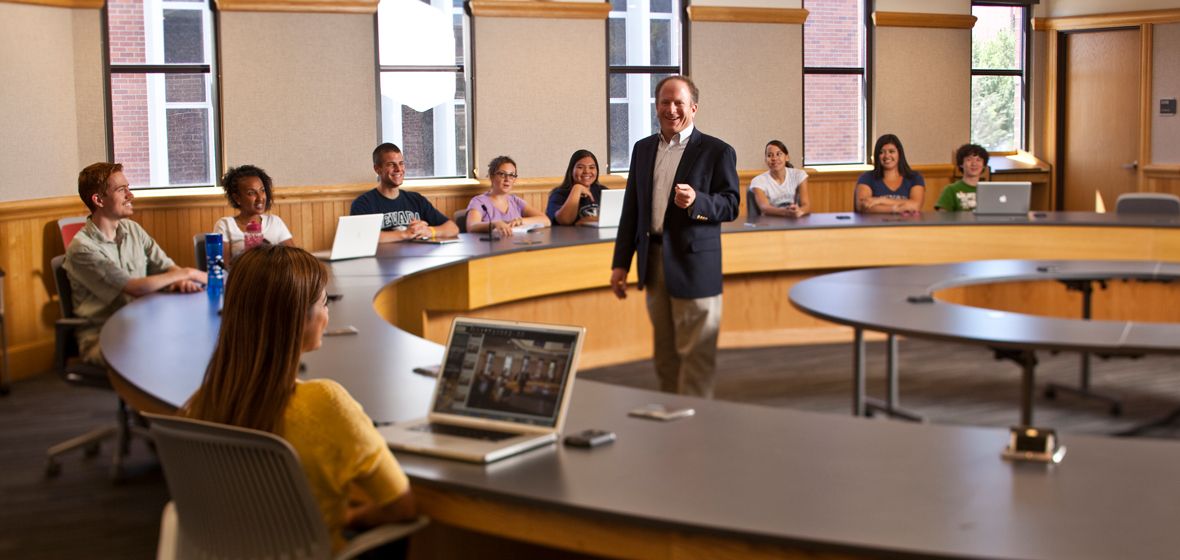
(834, 82)
(643, 38)
(161, 98)
(421, 51)
(997, 76)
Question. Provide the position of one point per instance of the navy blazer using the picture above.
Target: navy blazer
(692, 236)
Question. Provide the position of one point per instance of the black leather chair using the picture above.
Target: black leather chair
(81, 374)
(199, 252)
(1160, 204)
(460, 219)
(752, 209)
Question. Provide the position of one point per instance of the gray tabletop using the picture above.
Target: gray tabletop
(818, 481)
(878, 300)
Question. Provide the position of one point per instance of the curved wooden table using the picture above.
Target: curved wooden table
(735, 480)
(892, 300)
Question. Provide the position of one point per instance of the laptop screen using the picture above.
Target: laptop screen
(507, 371)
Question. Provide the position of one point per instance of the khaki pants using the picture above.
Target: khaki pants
(685, 334)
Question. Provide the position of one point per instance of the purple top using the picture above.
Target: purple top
(516, 206)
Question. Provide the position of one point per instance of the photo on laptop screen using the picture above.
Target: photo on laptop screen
(506, 373)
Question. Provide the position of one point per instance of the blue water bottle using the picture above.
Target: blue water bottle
(215, 265)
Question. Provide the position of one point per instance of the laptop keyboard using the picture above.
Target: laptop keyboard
(463, 431)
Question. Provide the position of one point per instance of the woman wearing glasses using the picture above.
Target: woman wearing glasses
(498, 209)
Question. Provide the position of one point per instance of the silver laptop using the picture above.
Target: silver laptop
(503, 389)
(610, 208)
(356, 237)
(994, 198)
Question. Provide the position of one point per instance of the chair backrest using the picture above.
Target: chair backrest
(199, 252)
(1148, 203)
(460, 219)
(752, 209)
(69, 228)
(65, 293)
(239, 493)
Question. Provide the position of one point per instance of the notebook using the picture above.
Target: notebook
(610, 209)
(994, 198)
(356, 236)
(503, 389)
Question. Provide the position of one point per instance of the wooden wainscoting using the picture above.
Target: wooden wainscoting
(29, 236)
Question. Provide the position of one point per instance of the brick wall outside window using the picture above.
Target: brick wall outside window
(833, 104)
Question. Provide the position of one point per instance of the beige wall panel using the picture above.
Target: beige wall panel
(923, 89)
(1165, 130)
(1037, 102)
(89, 87)
(540, 92)
(38, 107)
(751, 81)
(1063, 8)
(299, 95)
(924, 6)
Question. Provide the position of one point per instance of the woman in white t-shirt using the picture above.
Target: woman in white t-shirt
(249, 190)
(782, 190)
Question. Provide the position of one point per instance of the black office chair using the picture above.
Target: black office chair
(460, 219)
(199, 252)
(1160, 204)
(752, 209)
(81, 374)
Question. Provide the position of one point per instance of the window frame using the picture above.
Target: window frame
(650, 70)
(159, 107)
(1022, 72)
(866, 73)
(465, 70)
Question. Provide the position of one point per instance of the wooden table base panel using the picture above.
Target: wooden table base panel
(593, 536)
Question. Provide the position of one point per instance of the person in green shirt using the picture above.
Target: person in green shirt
(960, 195)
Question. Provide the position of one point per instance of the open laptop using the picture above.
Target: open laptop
(503, 389)
(610, 209)
(356, 237)
(994, 198)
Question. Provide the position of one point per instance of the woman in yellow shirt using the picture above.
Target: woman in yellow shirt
(276, 309)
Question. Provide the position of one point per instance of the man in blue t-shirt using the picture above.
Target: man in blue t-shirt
(407, 215)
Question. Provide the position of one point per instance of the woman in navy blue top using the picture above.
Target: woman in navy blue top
(891, 187)
(575, 201)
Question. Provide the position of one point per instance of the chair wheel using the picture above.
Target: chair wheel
(868, 413)
(52, 468)
(1116, 410)
(92, 449)
(1050, 393)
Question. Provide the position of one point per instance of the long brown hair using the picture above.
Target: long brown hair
(252, 374)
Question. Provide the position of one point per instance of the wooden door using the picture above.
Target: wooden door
(1101, 120)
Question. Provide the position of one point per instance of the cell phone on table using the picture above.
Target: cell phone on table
(589, 438)
(661, 412)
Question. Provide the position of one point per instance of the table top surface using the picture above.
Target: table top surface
(820, 481)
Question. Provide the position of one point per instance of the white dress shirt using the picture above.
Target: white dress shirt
(667, 160)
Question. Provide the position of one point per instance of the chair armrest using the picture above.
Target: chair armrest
(380, 535)
(74, 322)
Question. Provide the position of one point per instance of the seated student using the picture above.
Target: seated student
(782, 190)
(407, 215)
(498, 209)
(575, 201)
(891, 187)
(276, 294)
(960, 195)
(249, 191)
(112, 260)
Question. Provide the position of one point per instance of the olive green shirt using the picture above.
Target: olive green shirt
(99, 269)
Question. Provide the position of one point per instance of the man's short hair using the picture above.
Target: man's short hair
(93, 180)
(692, 87)
(384, 149)
(970, 150)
